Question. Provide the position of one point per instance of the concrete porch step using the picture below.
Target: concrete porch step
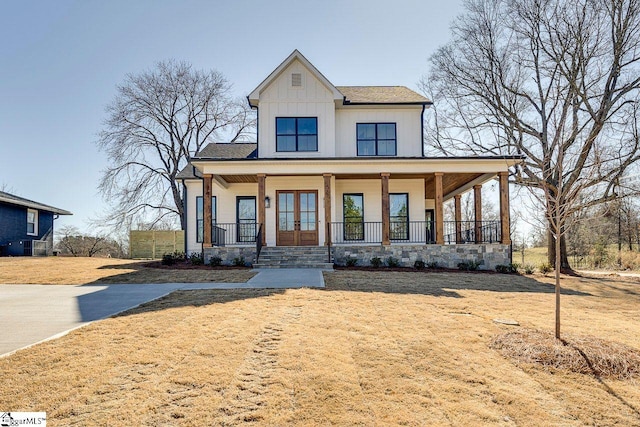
(294, 257)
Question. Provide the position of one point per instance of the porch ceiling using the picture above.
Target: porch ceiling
(451, 182)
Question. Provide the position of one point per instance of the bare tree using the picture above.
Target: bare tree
(73, 242)
(556, 81)
(157, 121)
(489, 211)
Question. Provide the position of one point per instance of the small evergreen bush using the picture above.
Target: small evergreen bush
(215, 261)
(239, 261)
(375, 262)
(507, 269)
(468, 265)
(419, 264)
(545, 267)
(351, 262)
(168, 259)
(393, 262)
(196, 258)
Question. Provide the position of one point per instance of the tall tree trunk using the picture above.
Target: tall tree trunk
(558, 254)
(551, 251)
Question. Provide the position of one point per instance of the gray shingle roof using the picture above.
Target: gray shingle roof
(187, 173)
(21, 201)
(381, 95)
(233, 150)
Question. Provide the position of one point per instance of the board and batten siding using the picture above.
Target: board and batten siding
(281, 99)
(407, 120)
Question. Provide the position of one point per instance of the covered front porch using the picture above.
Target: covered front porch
(345, 208)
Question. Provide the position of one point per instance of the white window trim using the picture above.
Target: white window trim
(35, 222)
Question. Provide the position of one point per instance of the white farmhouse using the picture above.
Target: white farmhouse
(340, 169)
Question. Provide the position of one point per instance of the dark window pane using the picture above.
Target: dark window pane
(308, 143)
(285, 126)
(366, 130)
(353, 206)
(386, 147)
(247, 210)
(387, 131)
(286, 143)
(199, 219)
(399, 205)
(307, 126)
(366, 148)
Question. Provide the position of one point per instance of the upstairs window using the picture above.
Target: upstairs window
(296, 134)
(376, 139)
(32, 222)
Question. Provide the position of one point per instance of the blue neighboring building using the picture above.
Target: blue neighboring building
(26, 227)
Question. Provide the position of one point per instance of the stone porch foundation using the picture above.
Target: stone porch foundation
(229, 254)
(448, 256)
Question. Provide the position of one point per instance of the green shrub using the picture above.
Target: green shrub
(393, 262)
(239, 261)
(433, 265)
(545, 267)
(351, 262)
(168, 259)
(508, 269)
(215, 261)
(375, 262)
(468, 265)
(529, 269)
(419, 264)
(196, 258)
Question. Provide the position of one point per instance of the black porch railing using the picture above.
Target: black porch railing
(471, 232)
(411, 232)
(244, 233)
(259, 242)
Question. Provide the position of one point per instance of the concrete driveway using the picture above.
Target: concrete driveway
(33, 313)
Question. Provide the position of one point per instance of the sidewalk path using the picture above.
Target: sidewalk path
(33, 313)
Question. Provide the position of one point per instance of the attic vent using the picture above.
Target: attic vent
(296, 79)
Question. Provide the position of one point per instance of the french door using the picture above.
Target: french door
(297, 218)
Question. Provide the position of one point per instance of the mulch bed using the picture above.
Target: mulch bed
(411, 269)
(186, 265)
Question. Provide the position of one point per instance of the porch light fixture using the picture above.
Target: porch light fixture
(267, 202)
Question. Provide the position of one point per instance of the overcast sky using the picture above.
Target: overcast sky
(60, 62)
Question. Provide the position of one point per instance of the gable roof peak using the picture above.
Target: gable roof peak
(254, 96)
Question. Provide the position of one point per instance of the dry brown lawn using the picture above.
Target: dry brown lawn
(80, 271)
(373, 348)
